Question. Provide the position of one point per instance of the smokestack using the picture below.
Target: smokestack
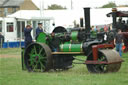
(81, 22)
(87, 19)
(114, 11)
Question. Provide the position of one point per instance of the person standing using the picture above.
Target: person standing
(28, 37)
(118, 42)
(39, 29)
(93, 33)
(105, 28)
(95, 28)
(1, 40)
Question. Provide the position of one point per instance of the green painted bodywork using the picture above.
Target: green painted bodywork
(93, 34)
(101, 29)
(41, 38)
(74, 35)
(71, 47)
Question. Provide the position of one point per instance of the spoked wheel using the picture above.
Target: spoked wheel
(111, 57)
(38, 57)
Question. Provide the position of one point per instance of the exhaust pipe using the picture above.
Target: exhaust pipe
(87, 19)
(81, 22)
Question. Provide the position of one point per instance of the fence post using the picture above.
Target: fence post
(20, 43)
(7, 43)
(1, 43)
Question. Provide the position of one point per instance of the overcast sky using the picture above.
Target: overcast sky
(78, 3)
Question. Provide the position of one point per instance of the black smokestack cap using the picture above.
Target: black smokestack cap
(87, 19)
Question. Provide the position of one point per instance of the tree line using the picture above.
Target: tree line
(108, 5)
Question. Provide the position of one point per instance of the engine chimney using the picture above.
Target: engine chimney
(114, 12)
(81, 22)
(87, 19)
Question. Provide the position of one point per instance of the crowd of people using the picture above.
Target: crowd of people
(97, 29)
(104, 28)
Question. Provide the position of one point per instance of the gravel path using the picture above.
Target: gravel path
(7, 56)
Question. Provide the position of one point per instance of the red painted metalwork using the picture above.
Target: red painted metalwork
(125, 34)
(101, 62)
(96, 47)
(95, 52)
(95, 62)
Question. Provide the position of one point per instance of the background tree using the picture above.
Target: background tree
(109, 5)
(56, 7)
(123, 6)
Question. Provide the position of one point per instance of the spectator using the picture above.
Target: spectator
(95, 28)
(39, 29)
(105, 28)
(118, 42)
(1, 40)
(101, 29)
(93, 33)
(92, 28)
(28, 37)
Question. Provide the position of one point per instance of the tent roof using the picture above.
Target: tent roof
(67, 17)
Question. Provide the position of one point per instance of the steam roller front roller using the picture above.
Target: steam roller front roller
(38, 57)
(110, 62)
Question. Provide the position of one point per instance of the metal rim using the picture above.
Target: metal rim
(38, 57)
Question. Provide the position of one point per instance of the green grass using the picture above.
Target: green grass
(12, 74)
(10, 51)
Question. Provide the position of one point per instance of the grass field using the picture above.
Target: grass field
(12, 74)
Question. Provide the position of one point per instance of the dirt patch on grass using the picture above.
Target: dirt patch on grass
(8, 56)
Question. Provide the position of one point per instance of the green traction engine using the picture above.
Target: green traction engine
(59, 49)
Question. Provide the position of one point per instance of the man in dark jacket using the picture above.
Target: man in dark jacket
(39, 29)
(1, 40)
(118, 42)
(28, 37)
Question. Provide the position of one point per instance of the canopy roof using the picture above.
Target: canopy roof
(119, 14)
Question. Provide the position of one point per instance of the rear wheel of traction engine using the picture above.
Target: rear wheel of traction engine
(110, 56)
(38, 57)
